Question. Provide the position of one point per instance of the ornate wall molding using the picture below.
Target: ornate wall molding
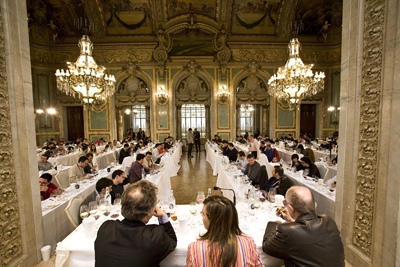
(371, 88)
(10, 227)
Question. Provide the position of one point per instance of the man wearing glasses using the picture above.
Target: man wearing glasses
(46, 186)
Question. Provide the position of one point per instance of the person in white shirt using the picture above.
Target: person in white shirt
(254, 146)
(156, 154)
(241, 163)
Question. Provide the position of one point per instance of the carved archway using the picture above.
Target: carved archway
(192, 86)
(251, 87)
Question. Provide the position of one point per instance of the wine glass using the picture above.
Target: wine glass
(83, 211)
(306, 172)
(93, 208)
(263, 197)
(271, 196)
(193, 211)
(200, 197)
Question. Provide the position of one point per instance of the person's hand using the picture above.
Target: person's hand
(284, 213)
(158, 212)
(333, 185)
(258, 158)
(94, 167)
(239, 167)
(279, 222)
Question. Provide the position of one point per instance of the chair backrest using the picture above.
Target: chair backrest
(264, 176)
(310, 153)
(323, 171)
(62, 179)
(72, 210)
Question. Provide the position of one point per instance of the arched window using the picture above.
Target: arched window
(138, 117)
(193, 116)
(246, 118)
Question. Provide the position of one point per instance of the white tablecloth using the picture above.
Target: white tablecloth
(172, 160)
(67, 160)
(287, 155)
(214, 158)
(102, 160)
(56, 225)
(78, 250)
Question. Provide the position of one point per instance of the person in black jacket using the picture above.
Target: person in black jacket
(124, 153)
(232, 153)
(131, 242)
(306, 239)
(306, 164)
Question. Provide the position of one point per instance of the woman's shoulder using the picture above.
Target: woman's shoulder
(198, 244)
(245, 239)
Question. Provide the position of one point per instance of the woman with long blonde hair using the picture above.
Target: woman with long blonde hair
(223, 245)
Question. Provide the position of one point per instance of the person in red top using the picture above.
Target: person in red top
(46, 187)
(162, 149)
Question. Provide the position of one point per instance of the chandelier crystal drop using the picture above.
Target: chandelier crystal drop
(84, 78)
(295, 80)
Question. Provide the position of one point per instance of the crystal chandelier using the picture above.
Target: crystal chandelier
(295, 80)
(84, 78)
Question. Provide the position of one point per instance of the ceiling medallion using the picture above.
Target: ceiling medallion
(295, 81)
(84, 78)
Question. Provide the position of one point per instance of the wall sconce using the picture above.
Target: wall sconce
(162, 96)
(223, 95)
(335, 110)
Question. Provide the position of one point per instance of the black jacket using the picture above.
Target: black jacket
(123, 154)
(311, 241)
(232, 155)
(132, 243)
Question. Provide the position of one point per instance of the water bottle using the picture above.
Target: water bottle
(108, 196)
(172, 201)
(209, 192)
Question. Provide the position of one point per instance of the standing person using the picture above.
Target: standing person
(306, 239)
(254, 146)
(190, 142)
(140, 135)
(223, 234)
(196, 135)
(131, 242)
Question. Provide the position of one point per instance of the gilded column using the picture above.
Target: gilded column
(178, 122)
(237, 119)
(120, 122)
(208, 119)
(148, 126)
(264, 130)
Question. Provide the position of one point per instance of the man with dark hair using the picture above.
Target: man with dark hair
(262, 146)
(253, 170)
(60, 149)
(100, 192)
(242, 161)
(254, 146)
(190, 140)
(167, 144)
(90, 167)
(148, 161)
(137, 171)
(295, 144)
(306, 239)
(241, 140)
(142, 245)
(278, 181)
(324, 145)
(283, 137)
(77, 171)
(306, 164)
(232, 152)
(43, 164)
(124, 153)
(269, 152)
(119, 179)
(156, 155)
(46, 187)
(85, 150)
(289, 138)
(225, 149)
(196, 136)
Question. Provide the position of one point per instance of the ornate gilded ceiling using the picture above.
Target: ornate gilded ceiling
(122, 21)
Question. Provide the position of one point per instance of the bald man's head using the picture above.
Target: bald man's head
(301, 199)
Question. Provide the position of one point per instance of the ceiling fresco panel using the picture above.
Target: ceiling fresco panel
(176, 8)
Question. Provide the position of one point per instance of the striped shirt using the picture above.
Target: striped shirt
(247, 255)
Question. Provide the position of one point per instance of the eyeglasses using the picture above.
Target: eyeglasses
(42, 183)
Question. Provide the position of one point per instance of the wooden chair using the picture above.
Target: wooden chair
(72, 210)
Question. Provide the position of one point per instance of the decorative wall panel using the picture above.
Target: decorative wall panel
(371, 87)
(10, 227)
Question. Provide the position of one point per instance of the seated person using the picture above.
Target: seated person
(295, 144)
(116, 144)
(162, 149)
(46, 186)
(167, 144)
(156, 153)
(125, 141)
(225, 150)
(60, 150)
(262, 146)
(148, 162)
(241, 163)
(131, 148)
(90, 167)
(253, 170)
(77, 171)
(238, 248)
(43, 164)
(278, 181)
(138, 146)
(306, 239)
(137, 171)
(277, 143)
(124, 153)
(131, 242)
(324, 145)
(85, 150)
(100, 192)
(232, 152)
(296, 162)
(301, 141)
(51, 152)
(119, 179)
(289, 138)
(301, 150)
(241, 140)
(283, 137)
(216, 139)
(306, 164)
(109, 146)
(269, 152)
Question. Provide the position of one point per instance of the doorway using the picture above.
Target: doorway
(307, 119)
(75, 123)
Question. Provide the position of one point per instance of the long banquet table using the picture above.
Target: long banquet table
(78, 250)
(67, 160)
(102, 160)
